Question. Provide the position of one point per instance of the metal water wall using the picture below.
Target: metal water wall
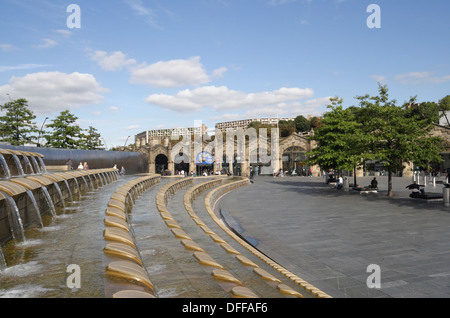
(133, 162)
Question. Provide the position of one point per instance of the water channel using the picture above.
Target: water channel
(38, 266)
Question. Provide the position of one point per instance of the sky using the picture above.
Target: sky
(127, 66)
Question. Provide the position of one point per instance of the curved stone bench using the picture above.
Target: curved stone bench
(217, 271)
(190, 196)
(124, 261)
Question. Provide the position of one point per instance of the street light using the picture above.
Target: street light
(126, 142)
(40, 131)
(106, 146)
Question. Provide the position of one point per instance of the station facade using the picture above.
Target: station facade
(197, 156)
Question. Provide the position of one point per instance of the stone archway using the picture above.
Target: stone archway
(293, 159)
(159, 159)
(161, 163)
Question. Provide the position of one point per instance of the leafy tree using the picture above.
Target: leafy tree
(397, 134)
(91, 140)
(341, 141)
(444, 107)
(315, 122)
(66, 133)
(17, 126)
(302, 124)
(286, 127)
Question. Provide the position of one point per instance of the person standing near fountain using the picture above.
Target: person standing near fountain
(80, 166)
(69, 164)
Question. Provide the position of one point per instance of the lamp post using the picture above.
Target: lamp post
(40, 132)
(126, 142)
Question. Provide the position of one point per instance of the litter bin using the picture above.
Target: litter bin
(446, 195)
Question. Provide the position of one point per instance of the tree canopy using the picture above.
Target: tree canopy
(377, 129)
(17, 126)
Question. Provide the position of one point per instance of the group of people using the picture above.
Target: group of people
(85, 166)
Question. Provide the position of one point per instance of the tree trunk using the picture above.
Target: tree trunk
(390, 183)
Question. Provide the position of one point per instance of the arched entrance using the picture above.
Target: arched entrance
(293, 159)
(204, 162)
(181, 163)
(161, 163)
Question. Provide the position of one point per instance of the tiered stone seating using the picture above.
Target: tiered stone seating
(124, 261)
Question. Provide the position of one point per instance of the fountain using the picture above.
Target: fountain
(28, 192)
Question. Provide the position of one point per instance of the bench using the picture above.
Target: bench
(427, 196)
(366, 189)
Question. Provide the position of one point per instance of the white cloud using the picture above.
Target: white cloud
(47, 43)
(379, 78)
(114, 109)
(222, 98)
(173, 73)
(415, 78)
(219, 72)
(64, 33)
(132, 127)
(7, 47)
(112, 62)
(314, 107)
(148, 14)
(280, 2)
(21, 67)
(54, 91)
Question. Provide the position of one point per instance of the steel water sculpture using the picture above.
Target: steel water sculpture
(28, 191)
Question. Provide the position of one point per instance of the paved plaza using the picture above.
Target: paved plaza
(329, 237)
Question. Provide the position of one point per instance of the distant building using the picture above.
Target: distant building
(143, 138)
(243, 123)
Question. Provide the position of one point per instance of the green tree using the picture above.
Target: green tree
(341, 141)
(17, 126)
(286, 127)
(91, 140)
(302, 124)
(398, 134)
(66, 133)
(444, 107)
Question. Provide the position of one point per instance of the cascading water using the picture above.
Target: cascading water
(36, 207)
(19, 165)
(60, 194)
(85, 182)
(3, 264)
(78, 187)
(90, 182)
(49, 200)
(29, 167)
(68, 189)
(15, 222)
(43, 168)
(5, 167)
(36, 165)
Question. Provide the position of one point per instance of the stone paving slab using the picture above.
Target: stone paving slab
(329, 237)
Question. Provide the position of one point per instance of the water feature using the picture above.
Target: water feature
(35, 164)
(5, 167)
(49, 200)
(68, 190)
(40, 269)
(28, 168)
(15, 222)
(60, 194)
(3, 264)
(19, 165)
(43, 168)
(36, 207)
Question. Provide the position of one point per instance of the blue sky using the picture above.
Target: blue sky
(135, 65)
